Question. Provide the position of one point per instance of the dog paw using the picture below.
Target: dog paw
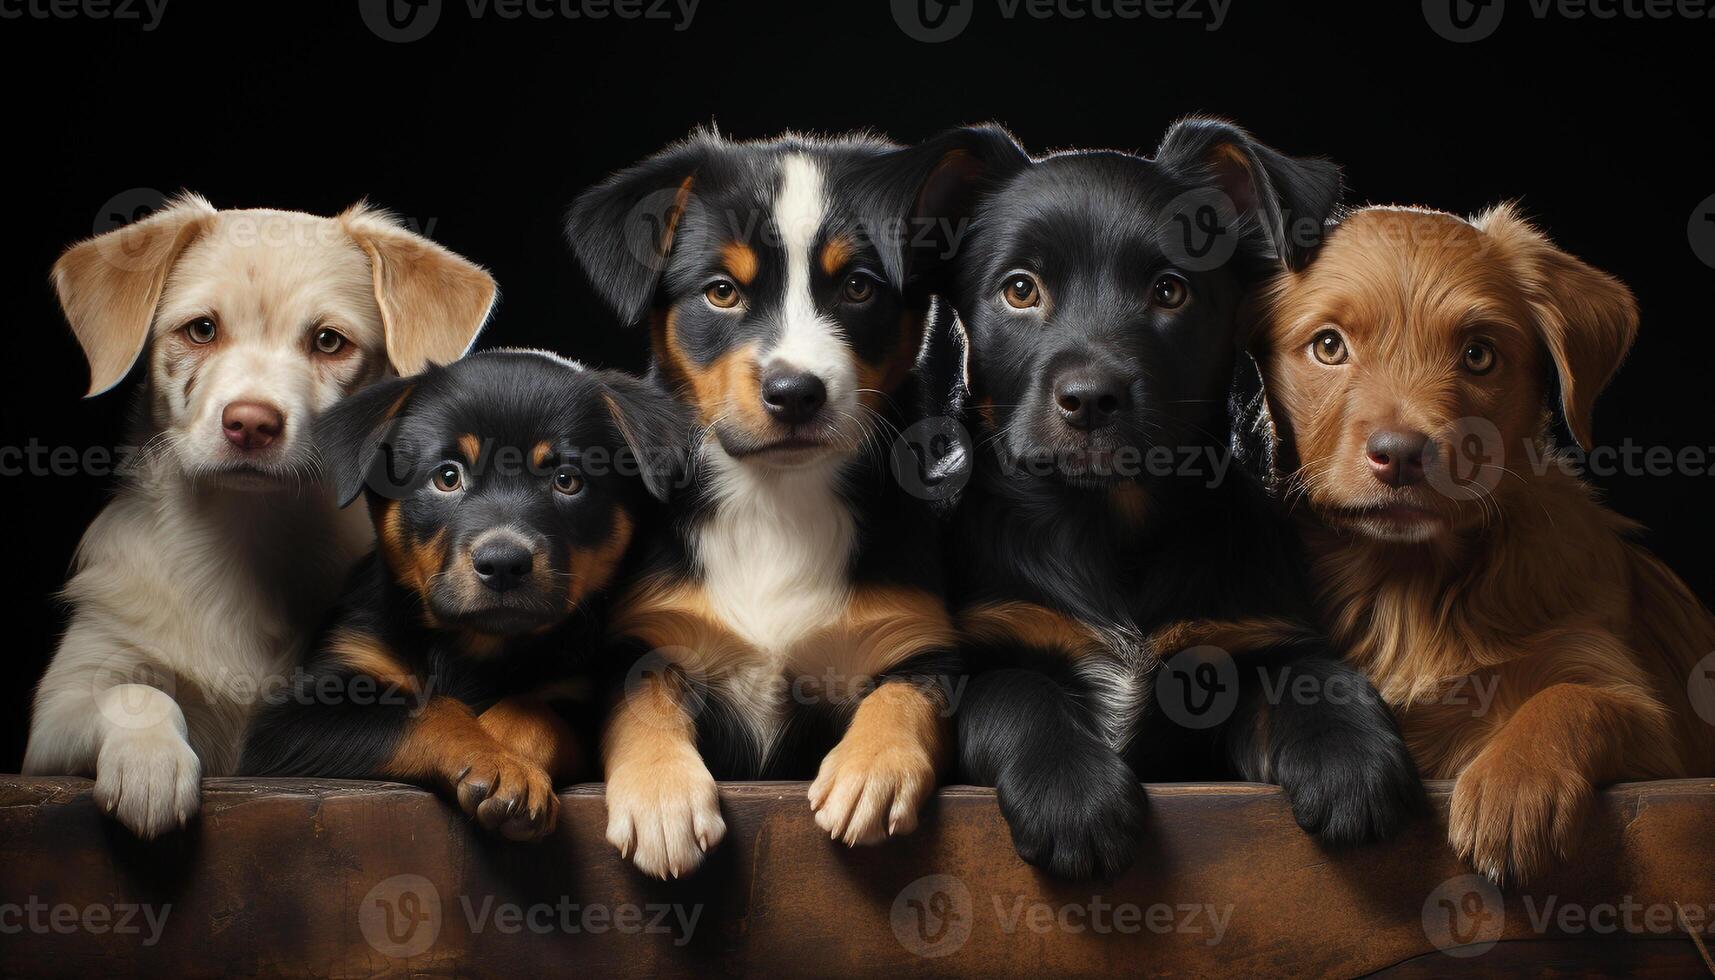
(508, 796)
(867, 791)
(1345, 790)
(1079, 818)
(664, 815)
(1511, 819)
(150, 781)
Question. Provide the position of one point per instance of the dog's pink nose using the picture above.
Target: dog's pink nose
(1396, 458)
(251, 426)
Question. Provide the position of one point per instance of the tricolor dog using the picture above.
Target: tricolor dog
(223, 547)
(505, 492)
(791, 622)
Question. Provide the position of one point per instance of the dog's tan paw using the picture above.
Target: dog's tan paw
(1512, 819)
(869, 789)
(664, 815)
(149, 780)
(510, 796)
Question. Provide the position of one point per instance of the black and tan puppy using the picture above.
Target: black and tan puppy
(795, 606)
(505, 492)
(1104, 531)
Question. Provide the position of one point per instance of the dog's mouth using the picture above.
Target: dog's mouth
(505, 617)
(797, 446)
(1084, 459)
(252, 478)
(1399, 521)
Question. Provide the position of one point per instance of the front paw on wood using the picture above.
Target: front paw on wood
(867, 792)
(509, 796)
(1512, 820)
(665, 815)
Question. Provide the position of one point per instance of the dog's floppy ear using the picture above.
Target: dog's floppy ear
(1587, 318)
(433, 301)
(1291, 198)
(918, 200)
(622, 230)
(653, 425)
(353, 440)
(109, 285)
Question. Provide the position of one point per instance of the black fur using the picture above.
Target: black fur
(1044, 519)
(673, 215)
(387, 442)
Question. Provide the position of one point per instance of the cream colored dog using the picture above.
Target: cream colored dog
(194, 590)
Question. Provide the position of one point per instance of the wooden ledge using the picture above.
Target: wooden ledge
(333, 878)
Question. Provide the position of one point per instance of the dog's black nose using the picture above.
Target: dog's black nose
(1090, 398)
(793, 397)
(502, 565)
(1396, 458)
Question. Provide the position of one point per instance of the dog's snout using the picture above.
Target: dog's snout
(502, 565)
(1091, 398)
(793, 397)
(252, 426)
(1396, 457)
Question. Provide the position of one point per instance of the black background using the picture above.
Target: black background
(483, 131)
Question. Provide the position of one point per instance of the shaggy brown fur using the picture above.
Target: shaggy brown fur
(1531, 650)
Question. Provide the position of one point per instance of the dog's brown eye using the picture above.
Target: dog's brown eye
(722, 294)
(201, 330)
(567, 481)
(1479, 357)
(1329, 347)
(1021, 291)
(330, 341)
(1171, 292)
(448, 477)
(859, 288)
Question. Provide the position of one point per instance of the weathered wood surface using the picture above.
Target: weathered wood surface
(328, 878)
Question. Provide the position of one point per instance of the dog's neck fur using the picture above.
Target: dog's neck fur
(1419, 615)
(774, 546)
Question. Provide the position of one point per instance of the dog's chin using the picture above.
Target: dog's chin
(251, 478)
(799, 448)
(1392, 523)
(1084, 463)
(501, 619)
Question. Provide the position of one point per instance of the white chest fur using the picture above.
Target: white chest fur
(774, 558)
(775, 553)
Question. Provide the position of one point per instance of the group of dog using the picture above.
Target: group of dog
(713, 571)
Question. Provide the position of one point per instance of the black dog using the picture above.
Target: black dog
(1140, 610)
(505, 492)
(796, 604)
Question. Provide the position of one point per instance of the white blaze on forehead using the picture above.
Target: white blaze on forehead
(808, 341)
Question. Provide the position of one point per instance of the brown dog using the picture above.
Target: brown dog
(1531, 650)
